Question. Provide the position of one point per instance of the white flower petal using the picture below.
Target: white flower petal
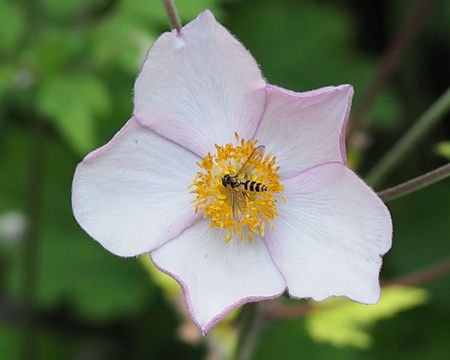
(329, 236)
(218, 277)
(199, 87)
(131, 195)
(305, 129)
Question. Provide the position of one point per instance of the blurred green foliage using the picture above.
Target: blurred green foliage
(311, 55)
(443, 149)
(342, 322)
(73, 103)
(72, 64)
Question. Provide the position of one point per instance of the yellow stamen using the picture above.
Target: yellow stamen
(216, 200)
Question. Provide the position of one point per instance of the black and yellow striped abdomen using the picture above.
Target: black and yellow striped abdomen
(254, 186)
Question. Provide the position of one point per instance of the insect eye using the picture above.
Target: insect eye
(225, 180)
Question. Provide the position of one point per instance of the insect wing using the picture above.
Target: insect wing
(258, 152)
(239, 204)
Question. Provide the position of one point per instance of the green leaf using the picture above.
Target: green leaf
(11, 25)
(418, 334)
(56, 48)
(170, 287)
(7, 75)
(119, 40)
(73, 104)
(342, 322)
(61, 10)
(443, 149)
(385, 112)
(9, 341)
(289, 340)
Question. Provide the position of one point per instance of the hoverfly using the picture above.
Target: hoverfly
(239, 184)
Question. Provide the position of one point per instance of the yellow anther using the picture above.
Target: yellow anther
(218, 202)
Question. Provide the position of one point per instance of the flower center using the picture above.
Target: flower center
(235, 188)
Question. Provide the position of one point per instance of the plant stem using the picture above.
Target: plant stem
(421, 276)
(390, 60)
(422, 126)
(172, 13)
(415, 184)
(249, 330)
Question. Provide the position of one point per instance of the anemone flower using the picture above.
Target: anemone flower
(238, 189)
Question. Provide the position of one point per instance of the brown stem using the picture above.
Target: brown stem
(410, 139)
(172, 13)
(421, 276)
(390, 60)
(274, 310)
(415, 184)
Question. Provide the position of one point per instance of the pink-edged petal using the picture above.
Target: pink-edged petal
(131, 195)
(330, 234)
(216, 276)
(200, 86)
(305, 129)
